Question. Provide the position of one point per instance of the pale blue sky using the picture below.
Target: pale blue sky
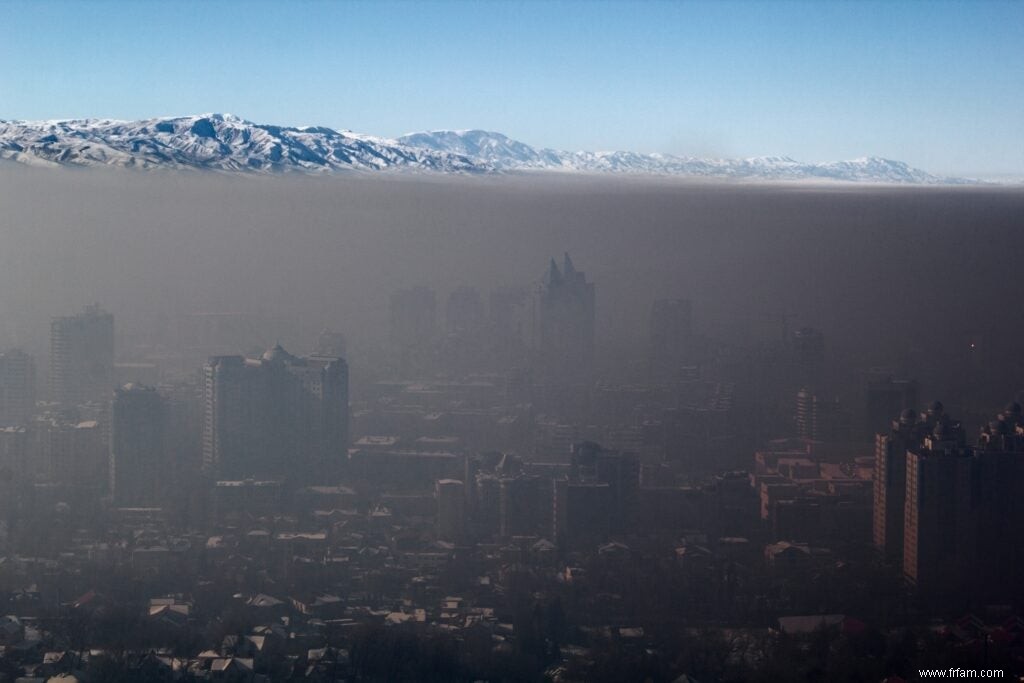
(937, 84)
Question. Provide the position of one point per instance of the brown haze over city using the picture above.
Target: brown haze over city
(898, 276)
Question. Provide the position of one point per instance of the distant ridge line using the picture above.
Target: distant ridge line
(228, 143)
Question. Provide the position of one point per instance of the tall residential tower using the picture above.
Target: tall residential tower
(82, 357)
(277, 416)
(139, 469)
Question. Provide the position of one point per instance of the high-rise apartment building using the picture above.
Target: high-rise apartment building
(951, 513)
(82, 357)
(890, 481)
(939, 544)
(275, 416)
(999, 483)
(139, 466)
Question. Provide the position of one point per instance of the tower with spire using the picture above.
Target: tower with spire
(565, 323)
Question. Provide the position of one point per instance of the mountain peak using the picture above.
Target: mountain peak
(214, 141)
(226, 142)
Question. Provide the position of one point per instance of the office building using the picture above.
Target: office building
(564, 340)
(565, 322)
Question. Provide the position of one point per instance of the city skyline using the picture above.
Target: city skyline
(291, 402)
(701, 476)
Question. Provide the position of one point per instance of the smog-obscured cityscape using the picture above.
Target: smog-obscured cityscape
(501, 425)
(692, 354)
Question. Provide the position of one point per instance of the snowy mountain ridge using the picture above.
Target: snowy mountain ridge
(227, 143)
(507, 154)
(212, 141)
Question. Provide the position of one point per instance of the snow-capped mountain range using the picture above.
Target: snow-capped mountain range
(224, 142)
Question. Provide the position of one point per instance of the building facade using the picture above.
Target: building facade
(564, 339)
(139, 468)
(82, 357)
(275, 416)
(890, 479)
